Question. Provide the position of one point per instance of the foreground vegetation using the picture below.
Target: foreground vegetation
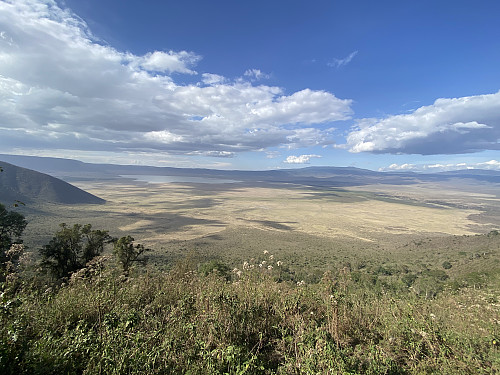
(77, 311)
(245, 322)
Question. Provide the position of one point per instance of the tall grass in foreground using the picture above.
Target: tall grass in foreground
(181, 322)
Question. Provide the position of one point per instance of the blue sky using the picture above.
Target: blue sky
(389, 85)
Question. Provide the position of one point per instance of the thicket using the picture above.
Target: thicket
(71, 249)
(99, 316)
(12, 225)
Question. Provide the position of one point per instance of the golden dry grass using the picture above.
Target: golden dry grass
(369, 213)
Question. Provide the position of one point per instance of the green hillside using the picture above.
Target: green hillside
(26, 185)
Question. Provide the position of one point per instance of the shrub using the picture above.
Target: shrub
(12, 226)
(446, 265)
(215, 266)
(128, 253)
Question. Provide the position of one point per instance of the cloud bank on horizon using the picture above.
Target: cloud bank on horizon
(63, 88)
(438, 167)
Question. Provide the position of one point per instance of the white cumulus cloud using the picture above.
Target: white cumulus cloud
(449, 126)
(169, 61)
(62, 88)
(256, 74)
(301, 159)
(212, 79)
(399, 167)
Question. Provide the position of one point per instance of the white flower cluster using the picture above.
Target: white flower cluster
(264, 264)
(15, 251)
(238, 272)
(248, 266)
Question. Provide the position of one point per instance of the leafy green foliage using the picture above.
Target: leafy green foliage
(182, 322)
(71, 248)
(12, 225)
(128, 253)
(215, 266)
(447, 265)
(94, 241)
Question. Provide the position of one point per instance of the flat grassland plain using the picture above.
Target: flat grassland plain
(380, 278)
(312, 227)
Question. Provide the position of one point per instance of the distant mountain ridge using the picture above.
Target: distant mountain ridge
(320, 176)
(26, 185)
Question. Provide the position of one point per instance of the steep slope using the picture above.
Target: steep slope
(26, 185)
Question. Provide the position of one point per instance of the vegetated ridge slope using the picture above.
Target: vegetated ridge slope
(26, 185)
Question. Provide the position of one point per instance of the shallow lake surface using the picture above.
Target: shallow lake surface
(152, 179)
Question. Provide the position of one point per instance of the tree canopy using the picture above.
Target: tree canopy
(71, 248)
(127, 252)
(12, 225)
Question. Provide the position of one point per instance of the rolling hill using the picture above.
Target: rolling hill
(26, 185)
(325, 176)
